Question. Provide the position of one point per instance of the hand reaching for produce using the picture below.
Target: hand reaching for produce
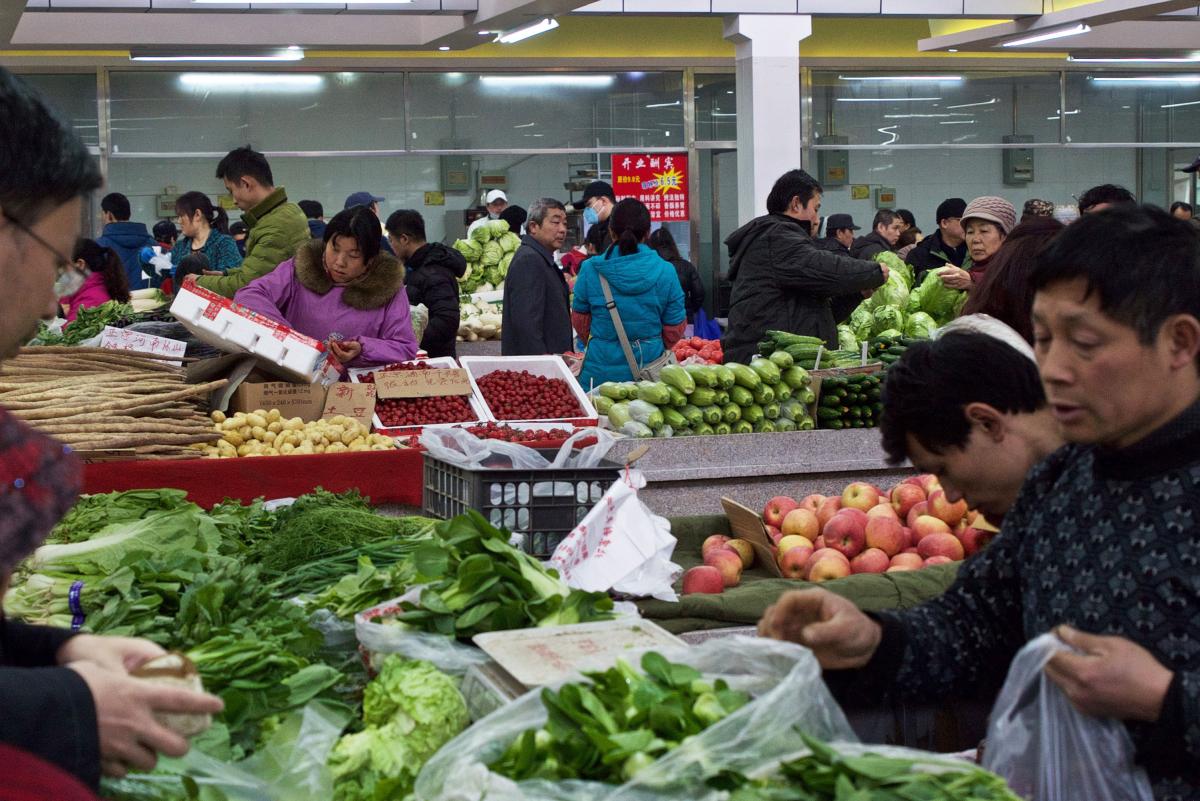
(1112, 678)
(130, 737)
(838, 633)
(345, 351)
(955, 278)
(120, 654)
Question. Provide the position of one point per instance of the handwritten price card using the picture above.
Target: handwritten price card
(423, 383)
(356, 401)
(124, 339)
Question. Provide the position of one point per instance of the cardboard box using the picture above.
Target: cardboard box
(306, 401)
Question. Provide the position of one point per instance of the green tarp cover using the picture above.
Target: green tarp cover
(744, 604)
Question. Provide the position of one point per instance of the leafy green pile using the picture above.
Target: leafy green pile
(826, 775)
(622, 721)
(306, 535)
(94, 512)
(89, 322)
(488, 251)
(898, 309)
(410, 709)
(477, 582)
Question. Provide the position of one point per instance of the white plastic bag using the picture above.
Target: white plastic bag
(621, 545)
(1049, 751)
(381, 638)
(460, 447)
(784, 679)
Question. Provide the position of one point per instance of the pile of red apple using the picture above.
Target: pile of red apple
(863, 530)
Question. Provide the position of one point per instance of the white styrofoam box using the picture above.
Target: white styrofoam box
(495, 296)
(439, 363)
(548, 366)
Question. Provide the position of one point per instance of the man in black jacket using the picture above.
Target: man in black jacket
(945, 246)
(886, 229)
(433, 273)
(65, 698)
(537, 316)
(782, 280)
(839, 234)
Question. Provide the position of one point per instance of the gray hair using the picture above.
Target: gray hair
(541, 207)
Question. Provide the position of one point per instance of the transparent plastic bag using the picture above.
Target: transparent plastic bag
(789, 695)
(379, 639)
(1048, 750)
(460, 447)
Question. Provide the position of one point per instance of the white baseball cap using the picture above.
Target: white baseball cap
(494, 195)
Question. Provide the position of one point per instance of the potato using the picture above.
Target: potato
(245, 432)
(230, 424)
(295, 424)
(258, 432)
(286, 448)
(275, 426)
(233, 438)
(256, 420)
(269, 437)
(350, 436)
(218, 416)
(274, 416)
(225, 448)
(335, 447)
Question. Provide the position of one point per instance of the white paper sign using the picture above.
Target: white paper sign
(124, 339)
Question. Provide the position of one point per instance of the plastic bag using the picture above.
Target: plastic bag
(460, 447)
(705, 328)
(1048, 750)
(380, 639)
(419, 315)
(783, 678)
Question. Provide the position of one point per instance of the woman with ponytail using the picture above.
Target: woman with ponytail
(205, 230)
(95, 276)
(647, 293)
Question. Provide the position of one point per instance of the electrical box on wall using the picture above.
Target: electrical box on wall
(492, 179)
(1017, 162)
(833, 166)
(456, 173)
(885, 197)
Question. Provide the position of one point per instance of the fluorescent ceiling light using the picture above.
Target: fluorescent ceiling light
(664, 105)
(993, 101)
(915, 78)
(1048, 35)
(926, 116)
(1065, 114)
(1160, 79)
(538, 81)
(526, 31)
(247, 81)
(292, 53)
(883, 99)
(957, 122)
(1135, 60)
(1178, 105)
(444, 48)
(303, 2)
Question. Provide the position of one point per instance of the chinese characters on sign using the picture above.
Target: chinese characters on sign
(659, 180)
(356, 401)
(124, 339)
(423, 383)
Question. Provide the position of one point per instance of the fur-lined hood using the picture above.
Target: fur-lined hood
(374, 290)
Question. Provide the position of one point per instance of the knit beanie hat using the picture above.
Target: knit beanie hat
(951, 207)
(993, 209)
(1038, 208)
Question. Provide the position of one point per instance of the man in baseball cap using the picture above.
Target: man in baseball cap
(944, 247)
(1193, 167)
(495, 201)
(839, 234)
(597, 204)
(372, 202)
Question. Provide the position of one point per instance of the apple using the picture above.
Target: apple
(777, 509)
(715, 541)
(940, 544)
(909, 541)
(775, 534)
(812, 502)
(821, 553)
(941, 508)
(883, 509)
(886, 534)
(858, 514)
(900, 569)
(846, 533)
(703, 579)
(938, 560)
(926, 481)
(905, 497)
(827, 568)
(728, 563)
(818, 543)
(974, 540)
(909, 561)
(828, 508)
(794, 563)
(859, 495)
(791, 541)
(918, 509)
(871, 560)
(912, 549)
(743, 549)
(802, 522)
(925, 525)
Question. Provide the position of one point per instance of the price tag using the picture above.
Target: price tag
(356, 401)
(423, 383)
(124, 339)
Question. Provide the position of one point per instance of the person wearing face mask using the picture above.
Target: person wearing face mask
(205, 230)
(342, 290)
(495, 202)
(986, 223)
(597, 203)
(95, 277)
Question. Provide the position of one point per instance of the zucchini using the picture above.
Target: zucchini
(702, 375)
(792, 410)
(743, 376)
(725, 377)
(678, 399)
(674, 419)
(704, 430)
(693, 415)
(771, 411)
(646, 413)
(619, 415)
(807, 396)
(742, 427)
(767, 370)
(764, 394)
(602, 403)
(796, 377)
(784, 424)
(754, 414)
(703, 396)
(683, 432)
(611, 389)
(712, 414)
(678, 377)
(722, 398)
(722, 428)
(768, 427)
(782, 359)
(635, 429)
(731, 413)
(783, 392)
(807, 424)
(654, 392)
(741, 396)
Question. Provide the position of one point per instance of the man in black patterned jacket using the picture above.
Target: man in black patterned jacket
(1102, 545)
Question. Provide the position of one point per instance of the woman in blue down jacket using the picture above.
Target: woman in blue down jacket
(647, 293)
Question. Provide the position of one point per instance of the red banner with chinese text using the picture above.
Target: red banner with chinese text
(660, 180)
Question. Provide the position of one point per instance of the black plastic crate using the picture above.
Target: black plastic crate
(542, 506)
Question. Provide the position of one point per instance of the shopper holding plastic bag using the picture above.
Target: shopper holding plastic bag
(1103, 534)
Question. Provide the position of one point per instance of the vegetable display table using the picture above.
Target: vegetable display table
(386, 477)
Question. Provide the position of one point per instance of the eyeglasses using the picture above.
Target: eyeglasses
(62, 262)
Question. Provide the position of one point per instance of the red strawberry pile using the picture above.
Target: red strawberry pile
(513, 395)
(707, 349)
(509, 434)
(401, 412)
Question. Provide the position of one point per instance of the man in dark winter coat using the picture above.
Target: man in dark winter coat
(66, 698)
(537, 314)
(839, 234)
(944, 247)
(125, 237)
(433, 273)
(782, 280)
(886, 229)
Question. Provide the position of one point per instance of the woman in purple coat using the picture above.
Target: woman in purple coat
(341, 290)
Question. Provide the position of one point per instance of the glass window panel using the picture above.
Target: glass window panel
(1104, 107)
(716, 107)
(471, 111)
(933, 108)
(74, 97)
(156, 112)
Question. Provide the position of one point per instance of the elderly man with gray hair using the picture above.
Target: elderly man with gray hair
(537, 316)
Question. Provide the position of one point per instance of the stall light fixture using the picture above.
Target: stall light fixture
(527, 31)
(246, 81)
(664, 105)
(302, 2)
(538, 81)
(1160, 79)
(1061, 33)
(957, 122)
(990, 102)
(292, 53)
(444, 48)
(1178, 105)
(883, 99)
(1135, 60)
(914, 78)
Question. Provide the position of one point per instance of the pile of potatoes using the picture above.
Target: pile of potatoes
(267, 433)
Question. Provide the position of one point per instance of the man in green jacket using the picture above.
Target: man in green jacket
(277, 227)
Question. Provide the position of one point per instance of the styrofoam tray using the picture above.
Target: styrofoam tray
(548, 366)
(439, 363)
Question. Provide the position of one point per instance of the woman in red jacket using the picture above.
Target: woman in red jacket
(95, 276)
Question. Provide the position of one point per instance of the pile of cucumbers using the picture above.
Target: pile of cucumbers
(767, 395)
(888, 349)
(851, 401)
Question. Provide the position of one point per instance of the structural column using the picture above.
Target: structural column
(768, 102)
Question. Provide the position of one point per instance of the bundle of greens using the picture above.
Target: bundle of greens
(476, 582)
(410, 710)
(368, 586)
(610, 729)
(94, 512)
(89, 322)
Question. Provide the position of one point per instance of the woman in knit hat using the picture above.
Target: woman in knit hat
(985, 222)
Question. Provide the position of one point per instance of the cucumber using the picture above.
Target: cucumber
(619, 415)
(742, 427)
(654, 392)
(693, 415)
(702, 375)
(722, 428)
(764, 394)
(602, 403)
(767, 371)
(678, 377)
(703, 396)
(743, 376)
(741, 396)
(678, 399)
(674, 419)
(725, 377)
(712, 414)
(796, 377)
(826, 414)
(782, 359)
(731, 413)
